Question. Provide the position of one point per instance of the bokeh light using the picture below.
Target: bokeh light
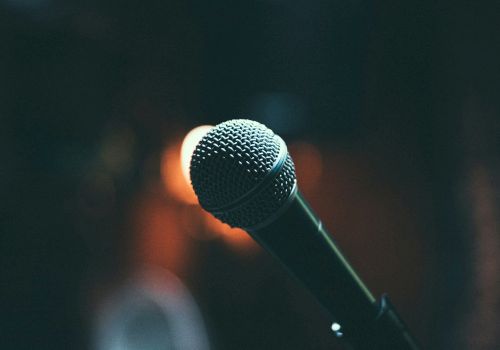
(175, 174)
(188, 145)
(234, 237)
(174, 181)
(175, 165)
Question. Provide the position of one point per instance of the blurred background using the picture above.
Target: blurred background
(391, 113)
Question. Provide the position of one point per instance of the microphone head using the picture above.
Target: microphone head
(242, 173)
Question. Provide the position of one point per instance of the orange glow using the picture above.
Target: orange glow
(188, 145)
(192, 222)
(175, 166)
(172, 177)
(308, 165)
(159, 241)
(235, 237)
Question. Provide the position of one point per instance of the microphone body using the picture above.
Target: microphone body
(243, 174)
(301, 243)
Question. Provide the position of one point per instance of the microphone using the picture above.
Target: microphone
(243, 174)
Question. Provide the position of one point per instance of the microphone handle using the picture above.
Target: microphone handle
(299, 241)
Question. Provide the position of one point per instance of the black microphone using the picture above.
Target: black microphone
(243, 175)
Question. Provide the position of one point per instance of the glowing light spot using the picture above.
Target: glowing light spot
(236, 238)
(175, 166)
(337, 330)
(188, 145)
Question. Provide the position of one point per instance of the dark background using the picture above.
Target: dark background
(401, 101)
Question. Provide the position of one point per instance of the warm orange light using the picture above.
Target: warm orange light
(235, 237)
(158, 239)
(172, 177)
(308, 165)
(188, 145)
(192, 221)
(175, 166)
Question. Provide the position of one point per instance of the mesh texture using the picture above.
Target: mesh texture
(232, 160)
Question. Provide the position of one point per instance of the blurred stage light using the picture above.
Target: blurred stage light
(175, 166)
(192, 222)
(236, 238)
(152, 311)
(188, 145)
